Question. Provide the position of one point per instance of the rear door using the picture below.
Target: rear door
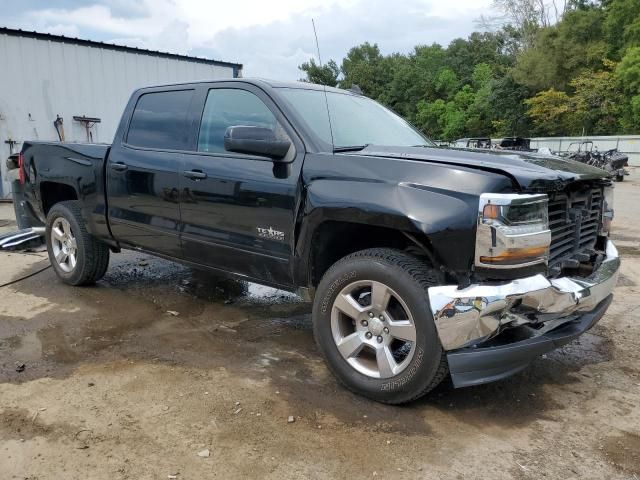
(143, 171)
(238, 211)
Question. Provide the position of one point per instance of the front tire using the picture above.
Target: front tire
(373, 324)
(76, 256)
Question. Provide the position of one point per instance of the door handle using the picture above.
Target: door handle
(119, 166)
(195, 174)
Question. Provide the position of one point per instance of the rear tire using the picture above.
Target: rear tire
(77, 257)
(386, 347)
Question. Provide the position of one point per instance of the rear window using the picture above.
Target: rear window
(160, 120)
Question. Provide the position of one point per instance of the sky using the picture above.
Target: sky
(270, 38)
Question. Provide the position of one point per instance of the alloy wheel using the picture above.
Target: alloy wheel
(64, 245)
(373, 329)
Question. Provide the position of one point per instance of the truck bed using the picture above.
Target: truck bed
(80, 166)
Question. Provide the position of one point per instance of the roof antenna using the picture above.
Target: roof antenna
(324, 87)
(315, 34)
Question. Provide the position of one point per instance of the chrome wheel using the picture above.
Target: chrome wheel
(373, 329)
(64, 245)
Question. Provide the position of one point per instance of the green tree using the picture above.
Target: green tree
(510, 112)
(628, 71)
(628, 75)
(365, 67)
(622, 26)
(544, 71)
(431, 117)
(563, 50)
(323, 75)
(595, 103)
(479, 113)
(446, 83)
(462, 55)
(550, 111)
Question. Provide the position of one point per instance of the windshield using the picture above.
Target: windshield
(355, 120)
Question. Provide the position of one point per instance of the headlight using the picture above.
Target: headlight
(513, 230)
(607, 211)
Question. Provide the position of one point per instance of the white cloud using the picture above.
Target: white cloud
(270, 38)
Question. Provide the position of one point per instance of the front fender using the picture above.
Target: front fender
(436, 203)
(447, 219)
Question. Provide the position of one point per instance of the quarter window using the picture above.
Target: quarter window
(227, 107)
(160, 120)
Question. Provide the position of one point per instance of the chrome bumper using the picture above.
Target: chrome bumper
(477, 313)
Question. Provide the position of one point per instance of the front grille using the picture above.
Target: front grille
(574, 219)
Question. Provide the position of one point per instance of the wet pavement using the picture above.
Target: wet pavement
(130, 379)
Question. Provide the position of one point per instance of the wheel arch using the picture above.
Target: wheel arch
(334, 239)
(55, 192)
(337, 215)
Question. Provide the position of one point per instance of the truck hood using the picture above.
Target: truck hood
(531, 171)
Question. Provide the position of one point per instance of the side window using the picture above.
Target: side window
(160, 120)
(227, 107)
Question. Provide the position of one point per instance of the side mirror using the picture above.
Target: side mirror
(256, 141)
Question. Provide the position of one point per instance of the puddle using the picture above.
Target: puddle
(151, 310)
(136, 270)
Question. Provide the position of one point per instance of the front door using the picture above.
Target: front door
(238, 211)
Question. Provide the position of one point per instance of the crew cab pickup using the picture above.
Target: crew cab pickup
(422, 262)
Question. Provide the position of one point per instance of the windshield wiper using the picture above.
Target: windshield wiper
(350, 148)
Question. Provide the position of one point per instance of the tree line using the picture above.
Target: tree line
(536, 69)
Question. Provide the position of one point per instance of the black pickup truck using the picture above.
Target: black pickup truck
(422, 262)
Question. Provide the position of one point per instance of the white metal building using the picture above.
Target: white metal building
(46, 77)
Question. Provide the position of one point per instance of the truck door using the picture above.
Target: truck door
(238, 211)
(142, 172)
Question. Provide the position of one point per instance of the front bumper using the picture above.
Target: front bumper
(476, 365)
(469, 320)
(472, 315)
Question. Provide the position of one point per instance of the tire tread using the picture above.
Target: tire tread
(96, 253)
(426, 277)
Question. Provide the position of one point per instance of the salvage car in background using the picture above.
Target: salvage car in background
(515, 143)
(479, 142)
(611, 161)
(422, 262)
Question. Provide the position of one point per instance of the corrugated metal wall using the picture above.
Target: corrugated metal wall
(42, 78)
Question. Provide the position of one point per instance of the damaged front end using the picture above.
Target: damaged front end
(493, 328)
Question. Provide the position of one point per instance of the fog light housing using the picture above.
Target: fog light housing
(513, 230)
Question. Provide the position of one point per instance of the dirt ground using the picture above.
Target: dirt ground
(137, 376)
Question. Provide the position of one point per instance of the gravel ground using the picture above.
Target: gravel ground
(161, 371)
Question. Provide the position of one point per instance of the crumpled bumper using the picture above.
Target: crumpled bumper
(470, 316)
